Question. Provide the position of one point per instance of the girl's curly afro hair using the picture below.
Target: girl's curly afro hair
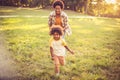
(56, 29)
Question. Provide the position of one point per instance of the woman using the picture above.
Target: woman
(59, 18)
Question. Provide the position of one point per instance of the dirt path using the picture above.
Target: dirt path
(7, 66)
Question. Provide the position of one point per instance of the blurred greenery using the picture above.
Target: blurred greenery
(103, 8)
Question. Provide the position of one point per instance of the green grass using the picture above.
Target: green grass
(96, 42)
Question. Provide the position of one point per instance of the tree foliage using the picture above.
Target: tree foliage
(91, 7)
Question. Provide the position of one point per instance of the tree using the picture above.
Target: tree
(39, 3)
(86, 6)
(23, 3)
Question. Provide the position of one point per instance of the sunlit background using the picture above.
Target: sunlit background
(95, 39)
(111, 1)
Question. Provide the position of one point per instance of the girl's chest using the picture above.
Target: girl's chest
(57, 43)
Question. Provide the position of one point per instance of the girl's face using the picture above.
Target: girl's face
(58, 10)
(56, 36)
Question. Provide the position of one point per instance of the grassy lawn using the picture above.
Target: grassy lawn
(96, 42)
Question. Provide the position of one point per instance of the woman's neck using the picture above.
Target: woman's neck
(57, 15)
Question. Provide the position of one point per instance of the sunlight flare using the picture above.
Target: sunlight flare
(111, 1)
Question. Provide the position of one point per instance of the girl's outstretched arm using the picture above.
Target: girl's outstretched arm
(69, 49)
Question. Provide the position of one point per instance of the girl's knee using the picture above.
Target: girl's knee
(57, 65)
(62, 64)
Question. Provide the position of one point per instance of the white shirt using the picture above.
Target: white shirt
(58, 46)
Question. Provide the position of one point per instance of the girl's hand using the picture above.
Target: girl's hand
(72, 52)
(52, 58)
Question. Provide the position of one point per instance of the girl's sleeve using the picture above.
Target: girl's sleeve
(64, 43)
(50, 42)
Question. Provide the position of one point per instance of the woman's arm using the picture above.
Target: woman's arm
(66, 25)
(50, 21)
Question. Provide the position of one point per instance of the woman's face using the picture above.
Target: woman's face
(58, 10)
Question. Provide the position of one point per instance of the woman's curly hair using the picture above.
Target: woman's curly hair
(58, 2)
(56, 29)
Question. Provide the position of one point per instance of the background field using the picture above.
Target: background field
(96, 42)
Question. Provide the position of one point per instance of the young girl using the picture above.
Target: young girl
(57, 48)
